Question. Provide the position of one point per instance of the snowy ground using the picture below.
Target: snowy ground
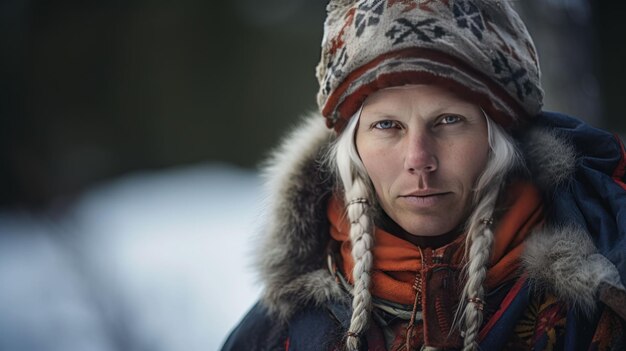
(148, 262)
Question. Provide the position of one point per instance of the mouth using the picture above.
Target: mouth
(423, 199)
(426, 193)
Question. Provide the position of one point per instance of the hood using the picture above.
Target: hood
(291, 256)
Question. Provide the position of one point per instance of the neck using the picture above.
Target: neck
(385, 222)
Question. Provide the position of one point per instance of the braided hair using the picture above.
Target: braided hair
(359, 197)
(503, 157)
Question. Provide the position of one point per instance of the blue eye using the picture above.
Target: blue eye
(450, 119)
(385, 125)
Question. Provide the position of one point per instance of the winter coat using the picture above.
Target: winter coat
(571, 295)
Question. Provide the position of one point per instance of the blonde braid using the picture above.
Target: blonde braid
(480, 242)
(358, 196)
(362, 240)
(358, 191)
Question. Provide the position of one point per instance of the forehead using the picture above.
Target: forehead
(430, 96)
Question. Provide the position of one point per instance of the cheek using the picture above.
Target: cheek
(476, 163)
(378, 165)
(371, 160)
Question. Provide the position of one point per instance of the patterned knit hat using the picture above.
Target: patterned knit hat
(478, 48)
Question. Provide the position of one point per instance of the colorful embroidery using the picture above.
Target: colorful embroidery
(408, 4)
(550, 323)
(468, 16)
(424, 5)
(507, 74)
(368, 14)
(542, 326)
(338, 41)
(609, 334)
(334, 68)
(425, 30)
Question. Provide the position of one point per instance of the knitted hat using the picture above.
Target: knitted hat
(478, 48)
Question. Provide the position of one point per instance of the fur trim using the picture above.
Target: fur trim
(565, 262)
(550, 159)
(292, 258)
(292, 252)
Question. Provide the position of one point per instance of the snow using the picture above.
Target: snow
(153, 261)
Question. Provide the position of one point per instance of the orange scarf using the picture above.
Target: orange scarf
(396, 261)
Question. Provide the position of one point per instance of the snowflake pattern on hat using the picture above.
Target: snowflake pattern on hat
(334, 67)
(368, 14)
(478, 47)
(516, 76)
(468, 16)
(425, 30)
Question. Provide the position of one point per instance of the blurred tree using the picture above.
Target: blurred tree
(101, 88)
(610, 52)
(95, 89)
(564, 36)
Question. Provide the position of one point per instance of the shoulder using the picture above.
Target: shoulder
(292, 255)
(318, 327)
(312, 328)
(257, 331)
(578, 253)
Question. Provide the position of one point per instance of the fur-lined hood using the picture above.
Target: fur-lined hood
(292, 261)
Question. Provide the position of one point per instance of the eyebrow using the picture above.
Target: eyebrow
(375, 112)
(464, 109)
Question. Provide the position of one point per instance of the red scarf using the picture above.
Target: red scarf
(396, 261)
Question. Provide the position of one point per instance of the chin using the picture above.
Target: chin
(427, 225)
(428, 229)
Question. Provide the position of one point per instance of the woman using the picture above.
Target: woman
(445, 211)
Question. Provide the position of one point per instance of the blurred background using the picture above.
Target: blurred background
(130, 135)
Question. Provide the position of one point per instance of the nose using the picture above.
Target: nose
(420, 154)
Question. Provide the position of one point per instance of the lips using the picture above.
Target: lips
(424, 198)
(425, 193)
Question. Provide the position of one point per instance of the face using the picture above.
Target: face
(423, 148)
